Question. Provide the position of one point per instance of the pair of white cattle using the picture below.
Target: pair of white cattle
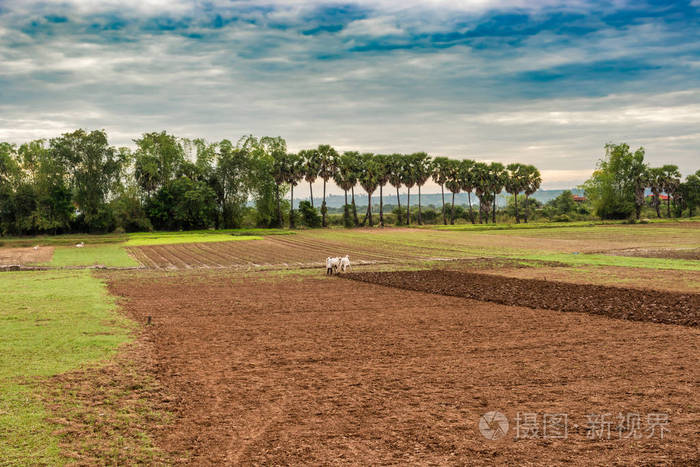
(337, 264)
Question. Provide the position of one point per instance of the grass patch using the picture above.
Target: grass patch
(171, 238)
(107, 255)
(51, 322)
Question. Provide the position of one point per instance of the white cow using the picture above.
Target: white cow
(345, 263)
(80, 245)
(332, 265)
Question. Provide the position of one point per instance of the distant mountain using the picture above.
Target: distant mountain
(336, 201)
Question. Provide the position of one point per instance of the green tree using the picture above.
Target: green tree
(515, 182)
(534, 180)
(232, 182)
(157, 160)
(422, 164)
(383, 174)
(440, 174)
(671, 179)
(396, 166)
(453, 183)
(295, 174)
(656, 184)
(327, 156)
(312, 166)
(94, 168)
(466, 182)
(497, 180)
(691, 189)
(481, 178)
(369, 180)
(345, 178)
(612, 186)
(409, 177)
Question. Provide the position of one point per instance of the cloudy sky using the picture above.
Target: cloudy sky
(539, 81)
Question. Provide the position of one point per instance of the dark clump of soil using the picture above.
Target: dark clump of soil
(615, 302)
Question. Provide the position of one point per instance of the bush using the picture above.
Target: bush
(561, 218)
(309, 214)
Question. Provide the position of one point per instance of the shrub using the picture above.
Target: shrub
(309, 214)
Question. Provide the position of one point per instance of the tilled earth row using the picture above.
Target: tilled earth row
(616, 302)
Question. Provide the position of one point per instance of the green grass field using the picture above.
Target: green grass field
(170, 238)
(51, 322)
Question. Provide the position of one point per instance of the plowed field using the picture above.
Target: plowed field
(275, 251)
(294, 370)
(616, 302)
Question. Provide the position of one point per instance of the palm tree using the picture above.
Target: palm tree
(481, 181)
(408, 178)
(352, 162)
(671, 180)
(453, 183)
(422, 164)
(369, 181)
(439, 174)
(383, 173)
(497, 182)
(466, 182)
(395, 176)
(311, 166)
(534, 180)
(327, 156)
(639, 175)
(344, 177)
(656, 183)
(295, 173)
(514, 184)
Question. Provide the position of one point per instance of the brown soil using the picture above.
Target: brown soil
(670, 253)
(106, 413)
(26, 255)
(615, 302)
(292, 370)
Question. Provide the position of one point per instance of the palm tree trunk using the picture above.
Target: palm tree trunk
(291, 208)
(279, 206)
(398, 200)
(323, 206)
(471, 212)
(346, 211)
(420, 215)
(369, 209)
(525, 209)
(408, 207)
(668, 205)
(354, 208)
(452, 213)
(442, 189)
(517, 219)
(493, 214)
(381, 205)
(657, 202)
(311, 194)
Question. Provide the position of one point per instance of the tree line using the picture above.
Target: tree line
(78, 182)
(618, 187)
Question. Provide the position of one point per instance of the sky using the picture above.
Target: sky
(543, 82)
